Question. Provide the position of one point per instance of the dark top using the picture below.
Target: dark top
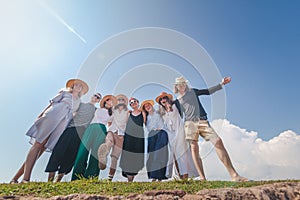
(84, 115)
(190, 104)
(132, 158)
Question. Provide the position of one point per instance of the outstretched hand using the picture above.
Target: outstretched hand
(226, 80)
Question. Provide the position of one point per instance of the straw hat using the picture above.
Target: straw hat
(180, 80)
(122, 96)
(105, 98)
(163, 94)
(145, 102)
(71, 82)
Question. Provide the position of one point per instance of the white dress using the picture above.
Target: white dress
(178, 146)
(54, 120)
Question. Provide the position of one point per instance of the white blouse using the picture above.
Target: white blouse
(101, 116)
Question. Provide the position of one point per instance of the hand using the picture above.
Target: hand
(226, 80)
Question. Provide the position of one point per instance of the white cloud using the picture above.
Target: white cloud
(253, 157)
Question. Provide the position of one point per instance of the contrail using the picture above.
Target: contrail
(61, 20)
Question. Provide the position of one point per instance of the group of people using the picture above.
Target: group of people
(80, 136)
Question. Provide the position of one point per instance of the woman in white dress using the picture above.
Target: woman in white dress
(179, 152)
(51, 123)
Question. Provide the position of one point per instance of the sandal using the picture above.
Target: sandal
(24, 181)
(13, 182)
(240, 179)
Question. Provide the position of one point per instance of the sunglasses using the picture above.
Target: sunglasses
(132, 102)
(162, 98)
(121, 99)
(98, 97)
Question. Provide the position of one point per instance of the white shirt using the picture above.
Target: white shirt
(119, 121)
(101, 116)
(154, 121)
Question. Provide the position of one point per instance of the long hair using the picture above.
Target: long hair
(121, 105)
(147, 113)
(162, 109)
(146, 116)
(186, 88)
(108, 109)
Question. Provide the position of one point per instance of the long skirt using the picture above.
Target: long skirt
(158, 154)
(64, 153)
(86, 163)
(132, 157)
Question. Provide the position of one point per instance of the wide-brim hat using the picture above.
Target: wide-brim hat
(105, 98)
(122, 96)
(71, 82)
(180, 80)
(163, 94)
(145, 102)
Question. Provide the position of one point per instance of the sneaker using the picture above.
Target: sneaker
(102, 156)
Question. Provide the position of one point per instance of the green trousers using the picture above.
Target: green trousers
(86, 162)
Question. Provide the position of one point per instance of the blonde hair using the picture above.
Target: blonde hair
(70, 89)
(176, 89)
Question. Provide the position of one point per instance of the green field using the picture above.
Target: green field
(47, 189)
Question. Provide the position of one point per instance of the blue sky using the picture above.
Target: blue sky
(254, 42)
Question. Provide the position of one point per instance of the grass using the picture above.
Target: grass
(94, 186)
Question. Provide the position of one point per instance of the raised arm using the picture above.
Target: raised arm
(213, 89)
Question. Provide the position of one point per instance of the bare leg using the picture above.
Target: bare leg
(184, 176)
(109, 140)
(113, 166)
(115, 154)
(196, 158)
(130, 178)
(20, 172)
(31, 158)
(51, 176)
(224, 157)
(59, 177)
